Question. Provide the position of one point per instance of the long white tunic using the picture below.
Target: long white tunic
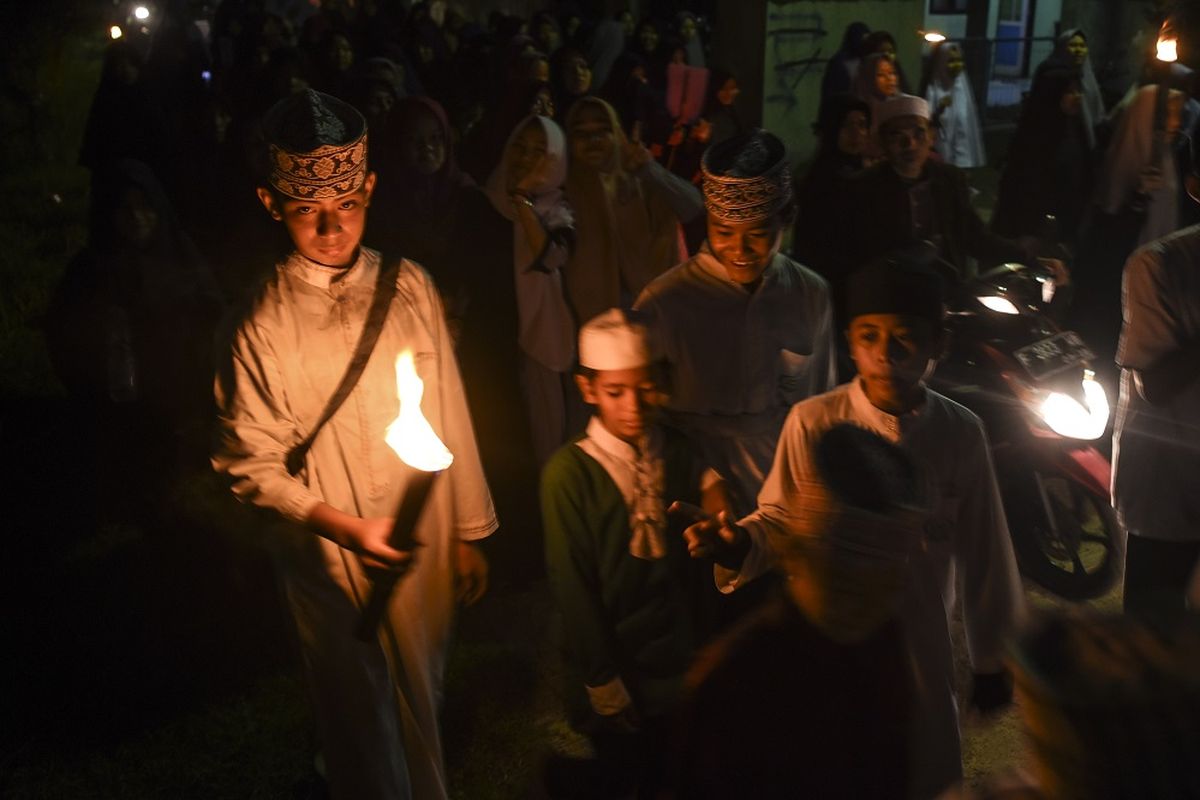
(739, 359)
(960, 140)
(376, 704)
(968, 550)
(1156, 449)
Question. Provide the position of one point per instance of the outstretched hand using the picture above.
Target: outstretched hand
(716, 538)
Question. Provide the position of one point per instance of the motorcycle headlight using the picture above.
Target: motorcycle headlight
(995, 302)
(1066, 416)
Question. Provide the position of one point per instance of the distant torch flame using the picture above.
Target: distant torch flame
(1167, 50)
(115, 32)
(933, 37)
(142, 13)
(410, 434)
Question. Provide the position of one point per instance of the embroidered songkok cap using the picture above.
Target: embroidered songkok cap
(612, 341)
(317, 146)
(746, 178)
(900, 105)
(901, 284)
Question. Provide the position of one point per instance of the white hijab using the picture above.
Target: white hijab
(960, 140)
(547, 330)
(1128, 154)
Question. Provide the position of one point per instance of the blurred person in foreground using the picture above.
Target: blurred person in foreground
(817, 684)
(1156, 441)
(1109, 708)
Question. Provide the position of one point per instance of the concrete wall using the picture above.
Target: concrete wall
(811, 31)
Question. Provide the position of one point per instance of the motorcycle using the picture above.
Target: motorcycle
(1043, 408)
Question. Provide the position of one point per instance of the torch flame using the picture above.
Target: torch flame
(1167, 50)
(115, 32)
(410, 434)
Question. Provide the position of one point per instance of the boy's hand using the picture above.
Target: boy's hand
(369, 538)
(470, 573)
(716, 538)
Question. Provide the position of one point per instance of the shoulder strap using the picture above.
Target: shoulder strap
(385, 290)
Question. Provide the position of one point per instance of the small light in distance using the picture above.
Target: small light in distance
(933, 37)
(115, 32)
(142, 13)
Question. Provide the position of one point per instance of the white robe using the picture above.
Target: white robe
(739, 359)
(376, 704)
(968, 549)
(960, 138)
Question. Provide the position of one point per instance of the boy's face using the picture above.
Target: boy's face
(894, 353)
(744, 249)
(325, 231)
(624, 399)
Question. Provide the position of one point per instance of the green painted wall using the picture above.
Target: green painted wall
(807, 29)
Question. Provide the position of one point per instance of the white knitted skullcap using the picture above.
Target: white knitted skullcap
(611, 341)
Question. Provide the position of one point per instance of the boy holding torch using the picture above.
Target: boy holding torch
(333, 475)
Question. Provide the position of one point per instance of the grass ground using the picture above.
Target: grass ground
(145, 661)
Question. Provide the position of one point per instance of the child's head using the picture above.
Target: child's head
(616, 374)
(749, 199)
(318, 184)
(895, 309)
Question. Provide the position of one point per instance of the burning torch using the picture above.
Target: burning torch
(1166, 53)
(418, 446)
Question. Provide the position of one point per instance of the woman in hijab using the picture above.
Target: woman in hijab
(839, 71)
(517, 337)
(570, 79)
(843, 131)
(884, 43)
(876, 79)
(1051, 160)
(960, 135)
(333, 74)
(687, 31)
(130, 331)
(421, 190)
(1071, 50)
(547, 36)
(124, 121)
(1137, 200)
(720, 111)
(522, 96)
(608, 42)
(649, 45)
(718, 122)
(628, 209)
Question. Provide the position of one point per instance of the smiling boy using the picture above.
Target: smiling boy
(746, 331)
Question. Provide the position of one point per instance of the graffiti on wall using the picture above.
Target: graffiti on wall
(799, 44)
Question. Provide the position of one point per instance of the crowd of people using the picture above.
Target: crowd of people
(684, 384)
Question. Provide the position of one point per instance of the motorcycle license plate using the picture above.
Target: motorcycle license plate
(1055, 354)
